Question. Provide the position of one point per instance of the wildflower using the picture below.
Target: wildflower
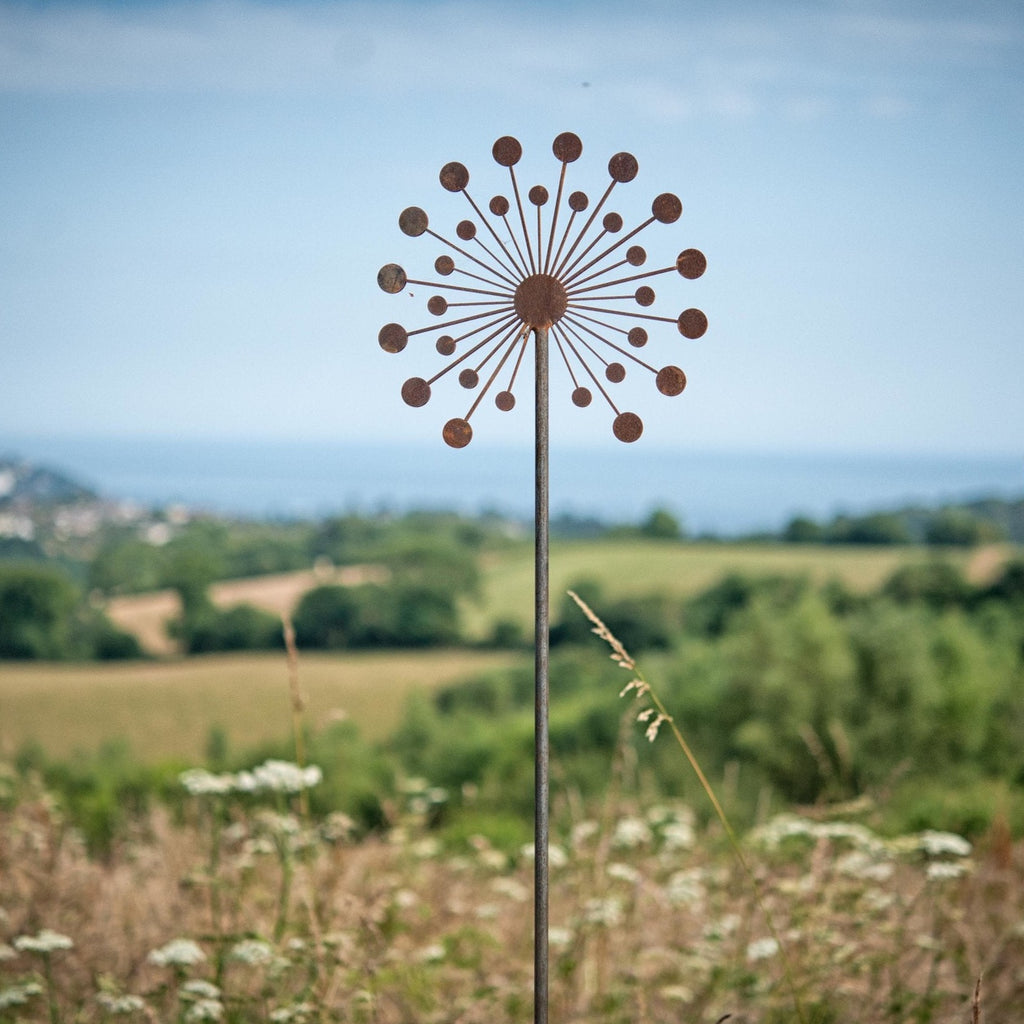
(557, 857)
(205, 1010)
(431, 954)
(560, 938)
(6, 952)
(200, 989)
(941, 871)
(46, 941)
(511, 888)
(624, 873)
(762, 949)
(297, 1013)
(253, 952)
(286, 777)
(120, 1006)
(19, 995)
(859, 864)
(177, 953)
(606, 912)
(199, 782)
(940, 844)
(630, 833)
(685, 888)
(678, 835)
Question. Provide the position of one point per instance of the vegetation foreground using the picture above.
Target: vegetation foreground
(246, 909)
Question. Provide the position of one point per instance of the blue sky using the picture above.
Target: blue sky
(195, 199)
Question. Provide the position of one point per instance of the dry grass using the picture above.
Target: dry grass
(649, 924)
(166, 709)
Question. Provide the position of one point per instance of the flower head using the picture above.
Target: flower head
(517, 274)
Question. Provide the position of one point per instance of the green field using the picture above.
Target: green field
(625, 568)
(166, 709)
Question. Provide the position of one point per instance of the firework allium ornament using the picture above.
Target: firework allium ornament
(513, 275)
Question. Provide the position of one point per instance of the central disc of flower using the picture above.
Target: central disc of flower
(540, 300)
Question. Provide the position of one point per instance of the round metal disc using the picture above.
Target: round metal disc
(567, 147)
(499, 206)
(538, 195)
(578, 202)
(691, 263)
(466, 230)
(444, 265)
(615, 372)
(413, 221)
(644, 295)
(469, 379)
(582, 397)
(671, 380)
(637, 337)
(416, 392)
(612, 222)
(623, 167)
(454, 177)
(438, 305)
(457, 433)
(540, 300)
(692, 323)
(445, 345)
(393, 337)
(628, 427)
(507, 151)
(667, 208)
(391, 278)
(505, 401)
(636, 255)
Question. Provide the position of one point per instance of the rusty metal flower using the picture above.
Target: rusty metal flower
(514, 274)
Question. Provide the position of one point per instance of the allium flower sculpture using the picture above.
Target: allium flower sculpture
(516, 275)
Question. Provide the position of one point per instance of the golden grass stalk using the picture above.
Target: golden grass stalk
(653, 717)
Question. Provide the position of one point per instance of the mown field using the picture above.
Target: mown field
(167, 709)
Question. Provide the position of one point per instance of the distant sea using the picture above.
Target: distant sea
(726, 493)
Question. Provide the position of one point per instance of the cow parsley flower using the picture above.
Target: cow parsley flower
(177, 953)
(47, 941)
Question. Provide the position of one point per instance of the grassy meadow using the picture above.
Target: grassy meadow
(165, 710)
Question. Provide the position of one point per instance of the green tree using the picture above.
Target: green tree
(37, 605)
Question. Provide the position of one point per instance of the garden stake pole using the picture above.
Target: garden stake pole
(529, 279)
(541, 688)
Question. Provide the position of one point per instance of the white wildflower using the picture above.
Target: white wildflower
(584, 831)
(560, 938)
(177, 953)
(200, 782)
(606, 912)
(120, 1006)
(858, 864)
(677, 993)
(198, 988)
(630, 833)
(205, 1010)
(405, 898)
(426, 848)
(557, 857)
(6, 952)
(47, 941)
(685, 888)
(431, 954)
(298, 1013)
(253, 952)
(762, 949)
(941, 844)
(286, 777)
(337, 827)
(940, 871)
(511, 889)
(678, 835)
(18, 995)
(493, 860)
(623, 873)
(721, 928)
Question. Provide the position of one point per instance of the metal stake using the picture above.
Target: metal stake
(541, 689)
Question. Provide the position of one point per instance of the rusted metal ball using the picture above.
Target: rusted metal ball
(582, 397)
(416, 392)
(671, 380)
(498, 206)
(644, 296)
(567, 147)
(628, 427)
(454, 177)
(391, 278)
(637, 337)
(623, 167)
(445, 345)
(507, 151)
(578, 202)
(413, 221)
(667, 208)
(691, 263)
(469, 379)
(612, 222)
(505, 401)
(615, 372)
(393, 338)
(457, 433)
(692, 323)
